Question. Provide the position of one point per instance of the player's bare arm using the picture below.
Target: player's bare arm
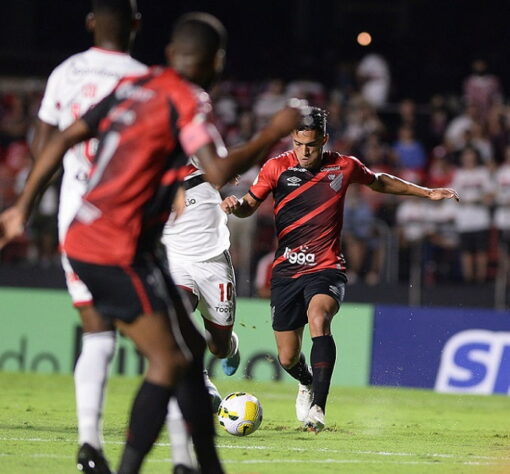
(220, 170)
(43, 134)
(12, 220)
(243, 207)
(389, 184)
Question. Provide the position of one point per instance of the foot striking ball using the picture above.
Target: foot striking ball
(240, 413)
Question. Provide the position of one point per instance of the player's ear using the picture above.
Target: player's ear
(169, 52)
(325, 139)
(136, 22)
(219, 60)
(90, 22)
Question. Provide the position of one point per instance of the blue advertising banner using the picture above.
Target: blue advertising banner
(450, 350)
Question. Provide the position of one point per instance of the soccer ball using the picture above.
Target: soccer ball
(240, 413)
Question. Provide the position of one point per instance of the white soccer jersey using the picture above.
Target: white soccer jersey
(473, 185)
(502, 212)
(78, 83)
(201, 232)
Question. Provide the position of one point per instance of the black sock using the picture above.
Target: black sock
(323, 358)
(300, 371)
(148, 414)
(195, 404)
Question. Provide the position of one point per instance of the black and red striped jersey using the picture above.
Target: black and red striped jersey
(308, 208)
(146, 128)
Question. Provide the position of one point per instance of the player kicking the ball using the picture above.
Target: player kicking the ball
(308, 279)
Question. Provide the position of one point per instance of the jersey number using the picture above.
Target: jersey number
(226, 291)
(87, 148)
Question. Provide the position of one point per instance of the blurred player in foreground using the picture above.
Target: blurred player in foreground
(308, 279)
(74, 87)
(146, 127)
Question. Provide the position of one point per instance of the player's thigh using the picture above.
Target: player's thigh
(215, 280)
(181, 273)
(153, 336)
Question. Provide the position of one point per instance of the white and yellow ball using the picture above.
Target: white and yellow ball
(240, 413)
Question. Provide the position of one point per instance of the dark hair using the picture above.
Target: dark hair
(203, 28)
(124, 9)
(315, 119)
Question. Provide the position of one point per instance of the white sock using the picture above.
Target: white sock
(90, 376)
(234, 345)
(180, 440)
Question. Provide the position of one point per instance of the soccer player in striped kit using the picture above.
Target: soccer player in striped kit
(308, 279)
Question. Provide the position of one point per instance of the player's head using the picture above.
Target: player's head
(114, 23)
(197, 47)
(309, 138)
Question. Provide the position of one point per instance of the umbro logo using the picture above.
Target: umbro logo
(293, 181)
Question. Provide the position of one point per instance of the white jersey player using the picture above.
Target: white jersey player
(197, 244)
(73, 87)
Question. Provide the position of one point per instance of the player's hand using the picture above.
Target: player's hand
(438, 194)
(285, 120)
(12, 225)
(230, 204)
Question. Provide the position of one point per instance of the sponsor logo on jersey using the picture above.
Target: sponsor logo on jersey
(475, 361)
(336, 183)
(301, 170)
(293, 181)
(133, 92)
(331, 168)
(301, 257)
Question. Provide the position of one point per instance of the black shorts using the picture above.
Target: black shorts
(474, 241)
(126, 292)
(290, 296)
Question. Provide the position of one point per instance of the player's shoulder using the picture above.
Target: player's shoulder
(282, 161)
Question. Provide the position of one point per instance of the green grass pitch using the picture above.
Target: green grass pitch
(369, 430)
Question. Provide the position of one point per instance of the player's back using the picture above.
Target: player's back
(130, 190)
(74, 86)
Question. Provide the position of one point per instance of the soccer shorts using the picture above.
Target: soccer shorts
(80, 294)
(213, 282)
(290, 296)
(126, 292)
(477, 241)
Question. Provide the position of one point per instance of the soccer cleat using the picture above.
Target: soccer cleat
(231, 364)
(303, 401)
(213, 392)
(182, 469)
(91, 460)
(315, 419)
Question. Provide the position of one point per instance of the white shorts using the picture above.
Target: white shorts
(213, 282)
(80, 294)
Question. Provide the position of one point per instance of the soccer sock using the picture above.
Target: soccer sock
(195, 404)
(90, 376)
(180, 440)
(234, 345)
(148, 415)
(323, 358)
(300, 371)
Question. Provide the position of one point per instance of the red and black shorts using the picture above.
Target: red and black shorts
(290, 296)
(126, 292)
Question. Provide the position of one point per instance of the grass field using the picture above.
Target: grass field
(370, 430)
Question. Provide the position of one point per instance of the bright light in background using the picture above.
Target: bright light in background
(364, 38)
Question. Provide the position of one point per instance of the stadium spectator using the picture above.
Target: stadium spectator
(373, 74)
(409, 152)
(269, 101)
(481, 89)
(502, 205)
(473, 221)
(308, 279)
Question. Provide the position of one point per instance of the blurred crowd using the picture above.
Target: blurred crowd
(459, 140)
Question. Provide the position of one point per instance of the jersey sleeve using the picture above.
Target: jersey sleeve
(49, 112)
(265, 181)
(360, 173)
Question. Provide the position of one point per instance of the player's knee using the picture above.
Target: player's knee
(287, 361)
(320, 325)
(168, 367)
